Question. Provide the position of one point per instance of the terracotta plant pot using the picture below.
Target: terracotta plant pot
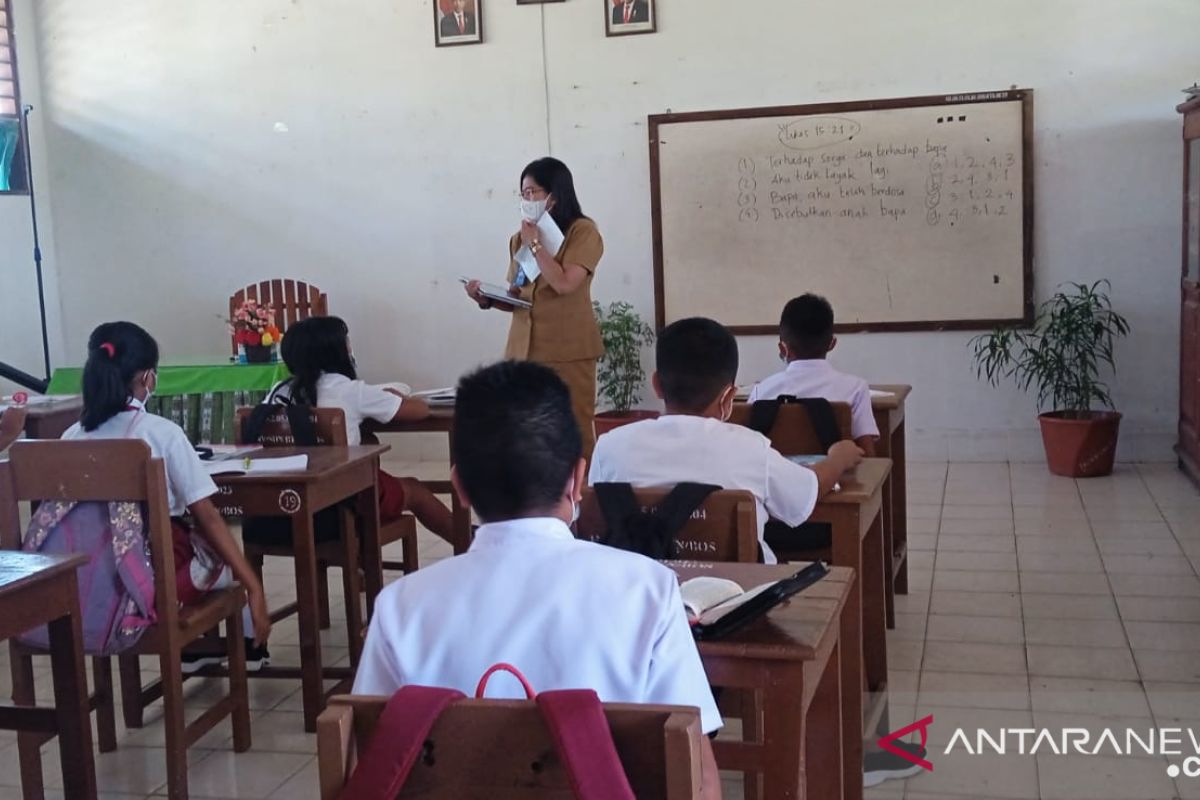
(1080, 444)
(608, 420)
(258, 354)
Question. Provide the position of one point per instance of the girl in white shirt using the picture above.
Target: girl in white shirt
(317, 353)
(120, 375)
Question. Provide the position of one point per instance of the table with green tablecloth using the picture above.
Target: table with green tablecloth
(200, 398)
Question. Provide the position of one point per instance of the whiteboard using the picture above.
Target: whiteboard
(908, 214)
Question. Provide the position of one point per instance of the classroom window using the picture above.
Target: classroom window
(12, 144)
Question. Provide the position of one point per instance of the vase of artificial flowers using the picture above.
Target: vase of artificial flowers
(253, 329)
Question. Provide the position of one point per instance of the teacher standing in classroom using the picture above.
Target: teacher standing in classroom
(559, 329)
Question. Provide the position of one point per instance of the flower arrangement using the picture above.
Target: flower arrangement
(253, 325)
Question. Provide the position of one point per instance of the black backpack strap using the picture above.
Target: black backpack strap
(763, 414)
(304, 432)
(677, 507)
(820, 413)
(617, 504)
(824, 421)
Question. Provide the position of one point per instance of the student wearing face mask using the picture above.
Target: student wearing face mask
(559, 330)
(696, 364)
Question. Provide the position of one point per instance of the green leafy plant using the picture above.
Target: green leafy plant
(624, 334)
(1071, 338)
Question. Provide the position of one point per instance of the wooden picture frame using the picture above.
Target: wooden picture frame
(446, 26)
(642, 15)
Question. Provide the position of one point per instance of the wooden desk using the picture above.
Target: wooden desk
(855, 515)
(49, 420)
(440, 420)
(334, 474)
(41, 590)
(889, 418)
(802, 737)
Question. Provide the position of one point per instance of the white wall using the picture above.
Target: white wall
(20, 333)
(173, 181)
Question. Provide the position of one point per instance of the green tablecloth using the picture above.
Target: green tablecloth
(201, 399)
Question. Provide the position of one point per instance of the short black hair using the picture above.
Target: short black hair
(117, 353)
(554, 176)
(516, 441)
(312, 347)
(806, 326)
(696, 359)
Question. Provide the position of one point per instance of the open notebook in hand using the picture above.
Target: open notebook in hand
(250, 466)
(717, 607)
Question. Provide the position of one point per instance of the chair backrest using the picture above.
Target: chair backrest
(793, 433)
(481, 748)
(12, 425)
(329, 423)
(93, 470)
(723, 528)
(293, 301)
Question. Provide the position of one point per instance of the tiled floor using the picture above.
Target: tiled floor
(1035, 602)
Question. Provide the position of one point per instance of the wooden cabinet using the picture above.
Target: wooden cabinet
(1188, 447)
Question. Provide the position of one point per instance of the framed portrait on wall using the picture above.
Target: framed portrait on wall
(457, 22)
(625, 17)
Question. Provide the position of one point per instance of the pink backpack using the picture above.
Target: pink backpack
(116, 586)
(574, 717)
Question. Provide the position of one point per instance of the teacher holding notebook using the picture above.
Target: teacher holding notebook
(552, 259)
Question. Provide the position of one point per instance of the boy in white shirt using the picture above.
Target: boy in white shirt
(696, 366)
(805, 338)
(567, 613)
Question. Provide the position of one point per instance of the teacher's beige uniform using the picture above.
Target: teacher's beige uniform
(560, 330)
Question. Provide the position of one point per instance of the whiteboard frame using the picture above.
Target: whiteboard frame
(656, 122)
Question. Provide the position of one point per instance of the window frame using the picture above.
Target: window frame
(18, 178)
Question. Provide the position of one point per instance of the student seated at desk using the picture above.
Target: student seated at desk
(317, 353)
(805, 339)
(696, 366)
(119, 376)
(567, 613)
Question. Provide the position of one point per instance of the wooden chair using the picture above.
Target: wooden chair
(723, 528)
(122, 469)
(293, 301)
(793, 433)
(487, 748)
(330, 426)
(12, 425)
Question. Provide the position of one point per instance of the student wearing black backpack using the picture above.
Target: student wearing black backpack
(696, 367)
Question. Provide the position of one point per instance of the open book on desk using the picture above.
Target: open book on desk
(438, 398)
(717, 607)
(251, 466)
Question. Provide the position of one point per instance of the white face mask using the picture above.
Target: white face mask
(533, 209)
(149, 390)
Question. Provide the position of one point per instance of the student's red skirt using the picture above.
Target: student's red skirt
(391, 497)
(191, 569)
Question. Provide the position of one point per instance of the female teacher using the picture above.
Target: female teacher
(559, 329)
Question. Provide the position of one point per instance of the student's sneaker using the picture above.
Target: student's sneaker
(257, 656)
(256, 659)
(880, 766)
(191, 663)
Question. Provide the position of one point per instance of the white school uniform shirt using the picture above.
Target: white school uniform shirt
(358, 399)
(568, 614)
(187, 480)
(659, 453)
(816, 377)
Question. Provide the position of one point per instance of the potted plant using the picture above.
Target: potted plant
(253, 329)
(620, 377)
(1063, 354)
